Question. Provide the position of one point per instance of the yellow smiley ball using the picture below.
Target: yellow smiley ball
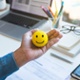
(39, 38)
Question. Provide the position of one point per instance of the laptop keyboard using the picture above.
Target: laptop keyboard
(19, 20)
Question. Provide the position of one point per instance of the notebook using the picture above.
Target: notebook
(23, 16)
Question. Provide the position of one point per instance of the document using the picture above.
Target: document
(41, 69)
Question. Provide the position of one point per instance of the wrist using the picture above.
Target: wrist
(20, 57)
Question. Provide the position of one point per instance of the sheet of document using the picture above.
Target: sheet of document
(41, 69)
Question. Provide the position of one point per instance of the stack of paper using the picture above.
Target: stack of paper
(68, 41)
(69, 45)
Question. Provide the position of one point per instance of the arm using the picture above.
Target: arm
(7, 66)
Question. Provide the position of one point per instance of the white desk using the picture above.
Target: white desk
(8, 44)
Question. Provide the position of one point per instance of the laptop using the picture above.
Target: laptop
(23, 16)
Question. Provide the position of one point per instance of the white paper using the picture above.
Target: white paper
(41, 69)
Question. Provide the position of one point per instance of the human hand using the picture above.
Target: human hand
(29, 52)
(33, 52)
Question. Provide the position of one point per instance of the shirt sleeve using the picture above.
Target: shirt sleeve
(7, 65)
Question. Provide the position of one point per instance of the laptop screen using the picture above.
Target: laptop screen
(31, 6)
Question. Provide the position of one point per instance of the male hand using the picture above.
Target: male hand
(33, 52)
(28, 51)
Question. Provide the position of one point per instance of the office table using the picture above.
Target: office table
(8, 44)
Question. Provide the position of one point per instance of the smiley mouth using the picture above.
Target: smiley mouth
(40, 42)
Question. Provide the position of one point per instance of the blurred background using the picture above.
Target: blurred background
(71, 11)
(8, 1)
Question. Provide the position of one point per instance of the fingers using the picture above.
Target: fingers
(52, 42)
(33, 31)
(54, 37)
(54, 34)
(51, 33)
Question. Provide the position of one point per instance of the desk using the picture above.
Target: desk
(8, 44)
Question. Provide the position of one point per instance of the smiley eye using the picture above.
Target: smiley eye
(36, 36)
(42, 35)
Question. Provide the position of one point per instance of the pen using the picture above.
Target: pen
(62, 4)
(61, 58)
(51, 11)
(56, 13)
(47, 12)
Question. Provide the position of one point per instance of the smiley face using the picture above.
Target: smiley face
(39, 38)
